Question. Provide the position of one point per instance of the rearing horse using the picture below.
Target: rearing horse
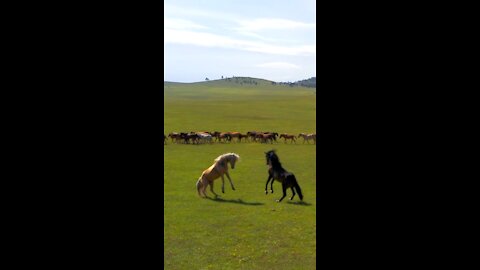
(218, 169)
(277, 172)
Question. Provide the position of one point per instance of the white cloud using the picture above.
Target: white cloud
(279, 65)
(213, 40)
(254, 35)
(181, 24)
(263, 24)
(190, 12)
(271, 30)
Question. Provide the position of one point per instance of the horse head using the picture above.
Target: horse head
(233, 159)
(269, 155)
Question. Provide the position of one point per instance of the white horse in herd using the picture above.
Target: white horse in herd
(205, 137)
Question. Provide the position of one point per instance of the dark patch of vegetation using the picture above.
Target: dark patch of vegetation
(242, 80)
(312, 83)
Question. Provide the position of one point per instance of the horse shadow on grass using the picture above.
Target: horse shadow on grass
(300, 203)
(239, 201)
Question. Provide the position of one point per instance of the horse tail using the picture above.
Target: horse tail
(297, 188)
(199, 184)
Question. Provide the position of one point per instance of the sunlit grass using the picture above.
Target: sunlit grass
(244, 229)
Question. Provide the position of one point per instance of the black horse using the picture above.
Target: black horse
(277, 172)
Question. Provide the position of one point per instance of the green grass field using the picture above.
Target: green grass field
(243, 229)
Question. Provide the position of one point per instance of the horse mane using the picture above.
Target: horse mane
(274, 158)
(221, 157)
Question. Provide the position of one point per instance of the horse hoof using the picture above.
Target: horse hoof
(266, 192)
(272, 191)
(278, 201)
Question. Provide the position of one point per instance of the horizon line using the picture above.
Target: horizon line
(237, 77)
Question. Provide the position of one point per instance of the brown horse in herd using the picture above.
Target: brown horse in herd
(292, 138)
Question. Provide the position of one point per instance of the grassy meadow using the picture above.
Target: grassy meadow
(243, 229)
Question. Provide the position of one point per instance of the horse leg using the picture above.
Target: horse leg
(211, 189)
(284, 188)
(293, 191)
(223, 184)
(266, 185)
(205, 185)
(230, 179)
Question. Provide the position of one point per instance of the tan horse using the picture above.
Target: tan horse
(218, 169)
(308, 137)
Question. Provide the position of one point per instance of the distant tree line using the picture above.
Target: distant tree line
(312, 82)
(241, 80)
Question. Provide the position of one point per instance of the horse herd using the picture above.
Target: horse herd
(227, 137)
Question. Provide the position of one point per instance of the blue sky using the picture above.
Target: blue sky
(268, 39)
